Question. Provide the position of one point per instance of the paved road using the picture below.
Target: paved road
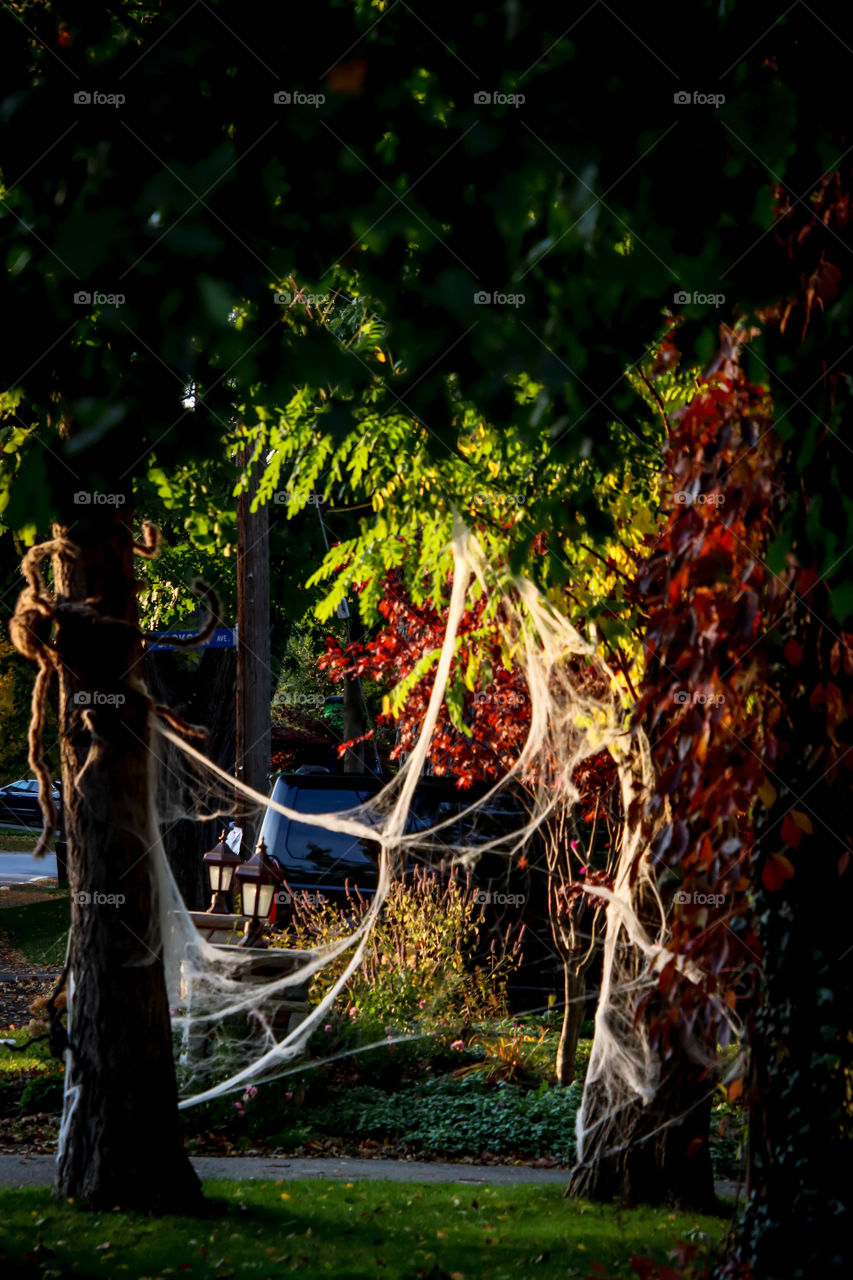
(35, 1171)
(21, 868)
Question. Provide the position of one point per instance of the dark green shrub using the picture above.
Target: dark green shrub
(43, 1094)
(454, 1117)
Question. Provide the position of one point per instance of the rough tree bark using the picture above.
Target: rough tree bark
(800, 1084)
(124, 1144)
(357, 759)
(574, 959)
(654, 1153)
(354, 758)
(574, 995)
(573, 935)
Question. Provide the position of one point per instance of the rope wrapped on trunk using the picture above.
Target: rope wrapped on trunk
(29, 630)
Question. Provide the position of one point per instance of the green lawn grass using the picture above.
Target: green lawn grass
(39, 929)
(18, 839)
(362, 1229)
(35, 1059)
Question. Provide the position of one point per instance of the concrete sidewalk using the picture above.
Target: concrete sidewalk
(37, 1171)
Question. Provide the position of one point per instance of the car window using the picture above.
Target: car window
(312, 855)
(496, 818)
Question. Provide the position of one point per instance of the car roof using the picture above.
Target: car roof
(445, 785)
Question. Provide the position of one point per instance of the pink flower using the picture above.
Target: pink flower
(573, 845)
(458, 1044)
(422, 1004)
(328, 1026)
(582, 871)
(288, 1094)
(353, 1011)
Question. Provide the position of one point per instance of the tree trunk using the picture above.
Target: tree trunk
(575, 947)
(655, 1154)
(574, 991)
(123, 1144)
(357, 758)
(800, 1177)
(354, 758)
(800, 1087)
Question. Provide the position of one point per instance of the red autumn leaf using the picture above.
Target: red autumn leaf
(793, 653)
(826, 279)
(806, 579)
(776, 870)
(835, 711)
(847, 654)
(791, 833)
(347, 77)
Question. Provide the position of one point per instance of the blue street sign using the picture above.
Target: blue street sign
(222, 638)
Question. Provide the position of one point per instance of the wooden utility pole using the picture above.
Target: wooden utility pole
(355, 707)
(355, 760)
(254, 676)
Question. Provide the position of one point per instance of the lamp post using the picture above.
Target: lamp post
(220, 863)
(258, 880)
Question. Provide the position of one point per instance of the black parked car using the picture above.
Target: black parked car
(19, 803)
(512, 889)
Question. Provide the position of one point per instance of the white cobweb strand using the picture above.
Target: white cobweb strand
(208, 999)
(196, 964)
(624, 1065)
(621, 1061)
